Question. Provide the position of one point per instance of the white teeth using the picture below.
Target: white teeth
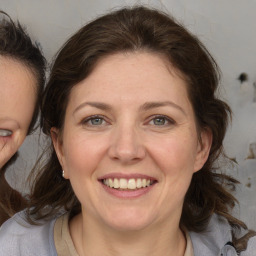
(106, 182)
(123, 183)
(116, 183)
(130, 184)
(111, 183)
(139, 184)
(5, 133)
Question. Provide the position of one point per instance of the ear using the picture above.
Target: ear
(203, 148)
(58, 146)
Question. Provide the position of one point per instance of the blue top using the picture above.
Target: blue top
(18, 237)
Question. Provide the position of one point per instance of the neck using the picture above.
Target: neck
(90, 238)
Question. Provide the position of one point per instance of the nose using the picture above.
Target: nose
(126, 145)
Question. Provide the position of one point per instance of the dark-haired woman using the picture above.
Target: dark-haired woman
(22, 68)
(131, 109)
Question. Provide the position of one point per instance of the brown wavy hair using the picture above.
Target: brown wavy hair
(16, 44)
(11, 201)
(132, 30)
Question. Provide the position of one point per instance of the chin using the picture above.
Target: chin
(129, 221)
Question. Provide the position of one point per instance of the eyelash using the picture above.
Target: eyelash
(168, 120)
(94, 117)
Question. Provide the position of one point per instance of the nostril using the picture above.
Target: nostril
(126, 146)
(125, 153)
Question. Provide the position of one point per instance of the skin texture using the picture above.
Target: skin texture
(17, 101)
(130, 135)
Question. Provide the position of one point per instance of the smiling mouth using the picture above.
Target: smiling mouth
(128, 184)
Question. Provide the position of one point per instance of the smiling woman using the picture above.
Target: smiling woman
(134, 146)
(21, 82)
(135, 124)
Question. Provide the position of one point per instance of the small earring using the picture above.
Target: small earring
(63, 174)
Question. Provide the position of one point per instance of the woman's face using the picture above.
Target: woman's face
(17, 101)
(129, 144)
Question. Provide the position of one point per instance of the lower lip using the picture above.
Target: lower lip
(127, 194)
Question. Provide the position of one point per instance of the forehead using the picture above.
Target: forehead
(18, 90)
(139, 74)
(16, 74)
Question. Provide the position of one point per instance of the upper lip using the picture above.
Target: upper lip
(126, 176)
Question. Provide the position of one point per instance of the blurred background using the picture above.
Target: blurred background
(227, 28)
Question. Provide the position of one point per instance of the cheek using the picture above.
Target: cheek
(176, 159)
(82, 154)
(20, 138)
(15, 140)
(175, 153)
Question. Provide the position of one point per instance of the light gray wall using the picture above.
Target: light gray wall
(227, 27)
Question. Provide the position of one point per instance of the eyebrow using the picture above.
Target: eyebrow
(146, 106)
(152, 105)
(98, 105)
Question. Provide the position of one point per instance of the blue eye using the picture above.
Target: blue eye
(161, 121)
(94, 121)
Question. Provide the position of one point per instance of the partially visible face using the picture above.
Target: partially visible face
(17, 102)
(129, 144)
